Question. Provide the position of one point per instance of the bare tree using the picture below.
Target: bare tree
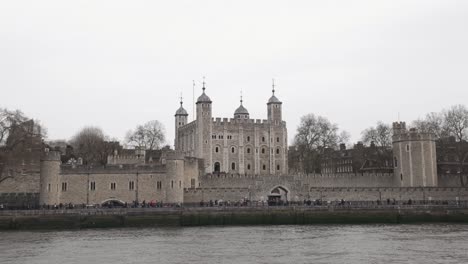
(91, 145)
(456, 124)
(15, 128)
(344, 137)
(149, 136)
(314, 135)
(432, 123)
(381, 135)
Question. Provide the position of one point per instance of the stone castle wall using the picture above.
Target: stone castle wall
(400, 194)
(26, 181)
(113, 186)
(123, 183)
(356, 187)
(317, 180)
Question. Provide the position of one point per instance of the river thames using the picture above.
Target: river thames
(265, 244)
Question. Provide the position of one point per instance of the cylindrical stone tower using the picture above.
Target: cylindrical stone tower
(175, 178)
(50, 178)
(415, 162)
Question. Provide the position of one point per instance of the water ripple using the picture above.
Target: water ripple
(268, 244)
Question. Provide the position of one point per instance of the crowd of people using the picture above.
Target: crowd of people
(240, 203)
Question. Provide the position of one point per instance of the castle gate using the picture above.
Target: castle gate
(112, 202)
(278, 196)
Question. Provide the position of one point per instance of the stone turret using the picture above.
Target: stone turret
(415, 163)
(181, 119)
(274, 105)
(241, 112)
(175, 178)
(50, 186)
(204, 130)
(277, 157)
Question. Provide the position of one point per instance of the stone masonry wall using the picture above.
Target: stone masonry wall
(332, 194)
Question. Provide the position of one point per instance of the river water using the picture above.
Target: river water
(266, 244)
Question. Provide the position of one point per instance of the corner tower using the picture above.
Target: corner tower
(181, 117)
(414, 157)
(50, 178)
(278, 135)
(274, 105)
(204, 130)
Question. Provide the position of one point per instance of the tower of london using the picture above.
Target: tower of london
(229, 159)
(238, 145)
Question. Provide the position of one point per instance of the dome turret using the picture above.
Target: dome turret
(204, 98)
(181, 111)
(274, 106)
(273, 99)
(241, 111)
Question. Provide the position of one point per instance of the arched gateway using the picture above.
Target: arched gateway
(278, 196)
(112, 202)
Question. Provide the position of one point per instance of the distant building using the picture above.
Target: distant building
(360, 159)
(448, 161)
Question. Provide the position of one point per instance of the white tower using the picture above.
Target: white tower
(181, 117)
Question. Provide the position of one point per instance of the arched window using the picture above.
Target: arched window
(263, 139)
(277, 139)
(248, 150)
(233, 150)
(395, 161)
(248, 139)
(277, 167)
(233, 166)
(277, 151)
(248, 166)
(263, 150)
(264, 167)
(217, 167)
(216, 149)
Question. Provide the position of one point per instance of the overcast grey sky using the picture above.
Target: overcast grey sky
(116, 64)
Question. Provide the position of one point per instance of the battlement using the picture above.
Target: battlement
(224, 175)
(399, 127)
(112, 169)
(400, 133)
(413, 135)
(51, 155)
(125, 159)
(218, 121)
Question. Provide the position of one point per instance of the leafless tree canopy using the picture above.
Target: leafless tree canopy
(381, 135)
(314, 135)
(432, 123)
(456, 122)
(149, 136)
(317, 133)
(90, 144)
(15, 127)
(452, 122)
